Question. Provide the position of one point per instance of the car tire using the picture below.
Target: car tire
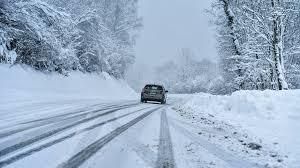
(163, 101)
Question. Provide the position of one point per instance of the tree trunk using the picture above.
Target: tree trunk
(277, 44)
(235, 41)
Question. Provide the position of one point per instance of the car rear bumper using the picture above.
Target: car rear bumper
(152, 97)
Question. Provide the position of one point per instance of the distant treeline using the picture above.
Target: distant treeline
(187, 74)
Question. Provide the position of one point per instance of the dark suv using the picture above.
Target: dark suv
(154, 93)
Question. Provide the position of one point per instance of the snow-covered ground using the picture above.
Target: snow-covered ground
(24, 91)
(272, 117)
(24, 83)
(84, 120)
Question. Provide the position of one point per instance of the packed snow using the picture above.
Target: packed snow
(25, 91)
(272, 117)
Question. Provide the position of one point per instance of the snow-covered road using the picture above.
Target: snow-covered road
(125, 134)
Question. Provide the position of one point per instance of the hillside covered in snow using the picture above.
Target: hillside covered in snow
(63, 36)
(23, 84)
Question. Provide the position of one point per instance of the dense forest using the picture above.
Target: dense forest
(258, 43)
(62, 36)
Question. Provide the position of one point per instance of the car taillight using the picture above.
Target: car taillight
(145, 91)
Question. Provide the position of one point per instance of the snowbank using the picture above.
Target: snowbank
(24, 84)
(273, 116)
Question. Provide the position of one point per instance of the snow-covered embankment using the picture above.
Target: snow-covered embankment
(27, 93)
(23, 83)
(273, 116)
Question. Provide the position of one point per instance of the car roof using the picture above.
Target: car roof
(153, 85)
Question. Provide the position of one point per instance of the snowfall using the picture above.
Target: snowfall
(245, 129)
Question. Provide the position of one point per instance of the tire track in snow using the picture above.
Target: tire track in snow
(39, 123)
(63, 115)
(165, 150)
(103, 107)
(78, 159)
(43, 136)
(20, 156)
(58, 118)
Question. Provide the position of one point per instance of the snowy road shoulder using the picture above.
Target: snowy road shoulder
(201, 117)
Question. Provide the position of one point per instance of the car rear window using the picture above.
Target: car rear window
(153, 87)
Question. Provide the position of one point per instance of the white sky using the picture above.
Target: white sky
(170, 25)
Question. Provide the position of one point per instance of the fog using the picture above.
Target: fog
(173, 24)
(170, 25)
